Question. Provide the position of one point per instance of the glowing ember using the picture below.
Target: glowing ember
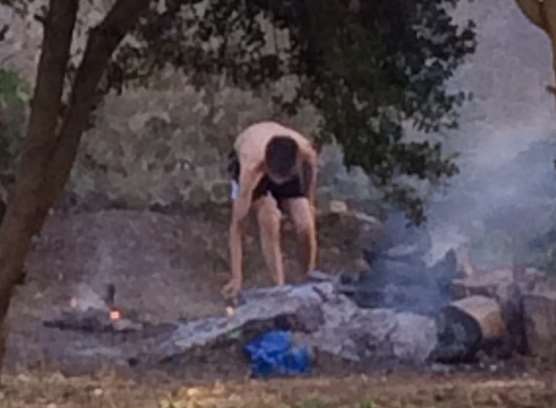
(115, 315)
(73, 303)
(230, 311)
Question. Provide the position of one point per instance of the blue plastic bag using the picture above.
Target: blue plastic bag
(273, 354)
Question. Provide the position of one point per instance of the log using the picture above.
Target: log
(491, 284)
(486, 312)
(467, 326)
(539, 315)
(501, 285)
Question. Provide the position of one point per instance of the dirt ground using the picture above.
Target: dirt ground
(171, 266)
(34, 390)
(164, 267)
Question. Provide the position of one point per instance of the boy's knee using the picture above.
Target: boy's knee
(303, 219)
(268, 213)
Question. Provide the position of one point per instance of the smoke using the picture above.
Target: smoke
(504, 197)
(501, 207)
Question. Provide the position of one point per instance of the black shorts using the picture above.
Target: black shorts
(297, 187)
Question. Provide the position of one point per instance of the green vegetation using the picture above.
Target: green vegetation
(13, 103)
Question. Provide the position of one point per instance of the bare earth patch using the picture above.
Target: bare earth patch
(409, 391)
(164, 267)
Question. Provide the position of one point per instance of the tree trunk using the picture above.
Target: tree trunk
(542, 13)
(26, 210)
(51, 145)
(549, 18)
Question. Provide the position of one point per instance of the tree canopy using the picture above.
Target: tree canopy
(542, 14)
(368, 67)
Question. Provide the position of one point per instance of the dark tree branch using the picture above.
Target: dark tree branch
(51, 145)
(47, 97)
(103, 41)
(24, 215)
(532, 10)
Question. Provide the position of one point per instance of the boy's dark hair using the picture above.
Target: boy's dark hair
(281, 155)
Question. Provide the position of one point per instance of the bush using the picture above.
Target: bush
(13, 115)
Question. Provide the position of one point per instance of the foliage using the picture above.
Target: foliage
(13, 99)
(183, 165)
(370, 68)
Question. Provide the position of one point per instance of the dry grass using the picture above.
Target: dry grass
(33, 390)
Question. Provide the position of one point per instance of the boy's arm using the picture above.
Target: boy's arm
(247, 181)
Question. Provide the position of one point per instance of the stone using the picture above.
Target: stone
(319, 317)
(414, 337)
(492, 284)
(532, 279)
(352, 333)
(539, 314)
(377, 334)
(463, 258)
(404, 283)
(403, 251)
(262, 309)
(87, 299)
(338, 207)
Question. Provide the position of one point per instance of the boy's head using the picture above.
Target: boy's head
(281, 158)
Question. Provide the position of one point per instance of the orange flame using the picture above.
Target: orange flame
(115, 314)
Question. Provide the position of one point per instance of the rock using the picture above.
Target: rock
(539, 314)
(463, 260)
(320, 318)
(376, 334)
(362, 230)
(288, 307)
(498, 284)
(338, 207)
(352, 333)
(403, 284)
(491, 284)
(532, 279)
(87, 299)
(445, 270)
(403, 251)
(414, 337)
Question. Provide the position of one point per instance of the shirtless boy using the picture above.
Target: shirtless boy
(273, 169)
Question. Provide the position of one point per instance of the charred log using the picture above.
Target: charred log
(467, 326)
